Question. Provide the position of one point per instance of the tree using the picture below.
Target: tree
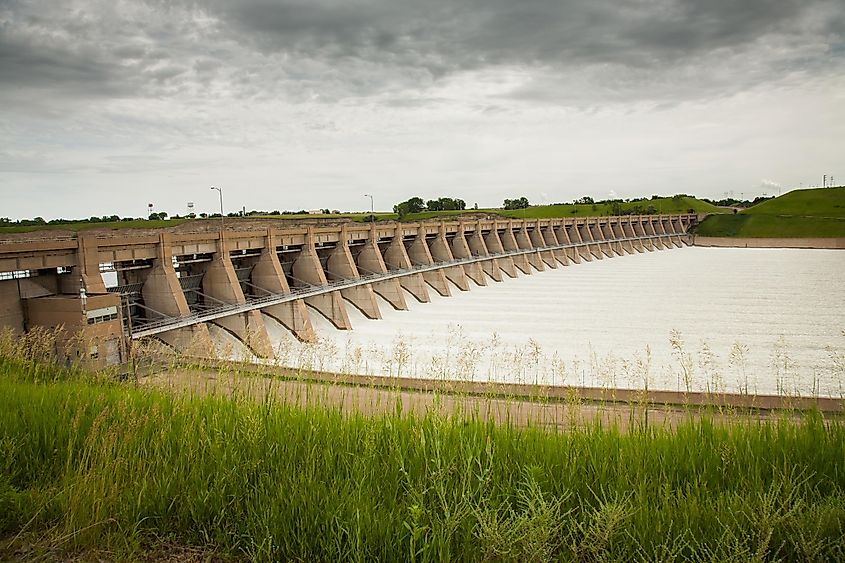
(518, 203)
(615, 208)
(434, 205)
(413, 205)
(447, 204)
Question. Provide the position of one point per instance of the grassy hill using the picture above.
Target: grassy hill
(820, 202)
(815, 213)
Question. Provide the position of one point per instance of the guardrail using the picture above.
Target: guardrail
(172, 323)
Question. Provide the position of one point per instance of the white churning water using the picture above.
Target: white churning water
(769, 320)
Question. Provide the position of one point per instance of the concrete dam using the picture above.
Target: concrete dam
(171, 284)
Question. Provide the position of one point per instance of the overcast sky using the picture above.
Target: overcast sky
(106, 106)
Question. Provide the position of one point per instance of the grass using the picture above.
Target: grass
(665, 205)
(82, 226)
(661, 205)
(819, 202)
(87, 464)
(797, 214)
(768, 226)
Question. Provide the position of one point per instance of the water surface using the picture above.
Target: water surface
(765, 320)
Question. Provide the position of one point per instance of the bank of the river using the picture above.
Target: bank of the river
(372, 392)
(110, 472)
(771, 226)
(769, 242)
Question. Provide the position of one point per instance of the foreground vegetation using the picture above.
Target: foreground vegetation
(798, 214)
(92, 465)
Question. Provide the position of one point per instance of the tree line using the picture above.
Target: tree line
(417, 205)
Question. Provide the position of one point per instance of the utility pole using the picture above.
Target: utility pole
(124, 299)
(222, 220)
(372, 217)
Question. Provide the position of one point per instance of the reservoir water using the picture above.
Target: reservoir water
(761, 320)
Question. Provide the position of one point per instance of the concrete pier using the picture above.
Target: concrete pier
(478, 247)
(460, 249)
(370, 261)
(523, 241)
(220, 285)
(396, 258)
(510, 245)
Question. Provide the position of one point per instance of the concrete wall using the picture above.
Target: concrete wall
(734, 242)
(78, 340)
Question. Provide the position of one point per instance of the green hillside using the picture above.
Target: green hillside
(815, 213)
(771, 226)
(820, 202)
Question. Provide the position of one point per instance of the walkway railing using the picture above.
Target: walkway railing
(172, 323)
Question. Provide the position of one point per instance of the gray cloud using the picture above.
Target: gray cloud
(330, 99)
(331, 49)
(647, 38)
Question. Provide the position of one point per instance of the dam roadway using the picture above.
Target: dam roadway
(171, 283)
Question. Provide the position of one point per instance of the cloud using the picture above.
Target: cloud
(572, 51)
(117, 98)
(631, 50)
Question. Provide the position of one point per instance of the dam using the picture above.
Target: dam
(172, 285)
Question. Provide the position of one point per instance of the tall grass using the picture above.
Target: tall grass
(87, 463)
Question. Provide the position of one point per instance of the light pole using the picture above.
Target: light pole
(220, 191)
(371, 205)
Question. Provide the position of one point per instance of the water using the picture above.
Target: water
(765, 320)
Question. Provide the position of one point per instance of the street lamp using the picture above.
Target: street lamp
(220, 191)
(371, 205)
